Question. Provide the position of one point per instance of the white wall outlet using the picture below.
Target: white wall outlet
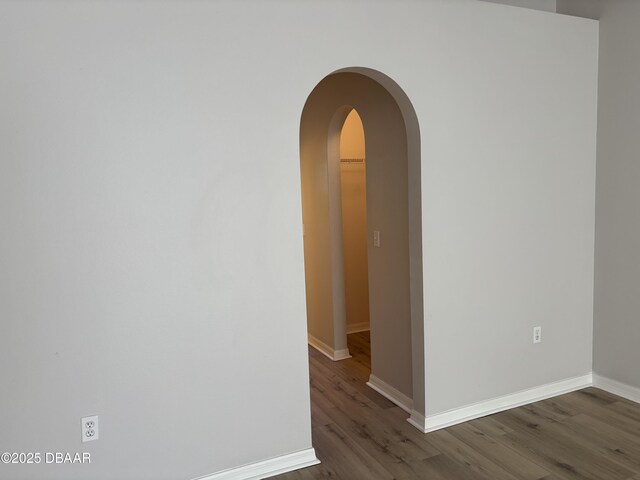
(90, 430)
(537, 334)
(376, 238)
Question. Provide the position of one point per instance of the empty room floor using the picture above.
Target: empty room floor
(358, 434)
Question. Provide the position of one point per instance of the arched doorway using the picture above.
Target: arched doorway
(394, 232)
(353, 192)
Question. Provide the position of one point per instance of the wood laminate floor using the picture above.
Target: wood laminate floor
(358, 434)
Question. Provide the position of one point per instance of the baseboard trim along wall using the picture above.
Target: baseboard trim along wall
(617, 388)
(417, 420)
(326, 350)
(431, 423)
(390, 393)
(267, 468)
(470, 412)
(358, 327)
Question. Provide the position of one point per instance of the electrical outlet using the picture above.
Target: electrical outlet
(376, 238)
(537, 334)
(90, 430)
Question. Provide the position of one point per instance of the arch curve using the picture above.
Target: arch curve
(393, 208)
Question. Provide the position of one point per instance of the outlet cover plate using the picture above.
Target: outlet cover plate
(90, 431)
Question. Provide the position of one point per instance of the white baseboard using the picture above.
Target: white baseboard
(307, 458)
(418, 420)
(358, 327)
(267, 468)
(617, 388)
(495, 405)
(326, 350)
(389, 392)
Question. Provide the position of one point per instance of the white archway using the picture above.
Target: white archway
(393, 208)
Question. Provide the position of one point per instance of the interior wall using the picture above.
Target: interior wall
(353, 177)
(353, 188)
(387, 211)
(580, 8)
(508, 206)
(352, 137)
(546, 5)
(617, 330)
(152, 247)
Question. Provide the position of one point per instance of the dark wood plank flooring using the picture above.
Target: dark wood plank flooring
(358, 434)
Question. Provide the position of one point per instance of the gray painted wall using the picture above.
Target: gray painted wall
(151, 257)
(617, 280)
(508, 206)
(580, 8)
(546, 5)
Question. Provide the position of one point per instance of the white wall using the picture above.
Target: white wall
(508, 196)
(617, 303)
(580, 8)
(151, 261)
(546, 5)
